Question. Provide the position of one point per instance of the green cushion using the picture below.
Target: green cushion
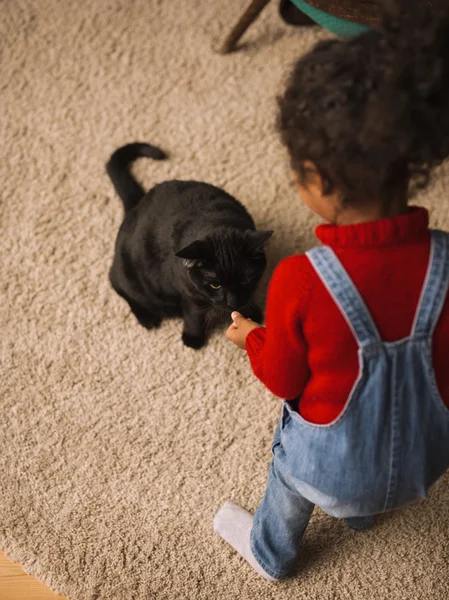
(341, 27)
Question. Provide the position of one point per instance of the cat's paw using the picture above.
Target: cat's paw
(148, 320)
(193, 341)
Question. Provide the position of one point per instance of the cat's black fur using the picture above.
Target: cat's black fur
(176, 242)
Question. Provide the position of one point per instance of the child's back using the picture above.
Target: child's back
(387, 260)
(391, 443)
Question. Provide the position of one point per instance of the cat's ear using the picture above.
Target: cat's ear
(193, 255)
(257, 240)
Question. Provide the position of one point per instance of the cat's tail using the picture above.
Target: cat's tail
(129, 190)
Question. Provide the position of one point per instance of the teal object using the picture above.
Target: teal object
(341, 27)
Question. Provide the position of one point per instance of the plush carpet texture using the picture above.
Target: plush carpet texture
(118, 445)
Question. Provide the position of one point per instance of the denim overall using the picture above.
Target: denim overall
(386, 448)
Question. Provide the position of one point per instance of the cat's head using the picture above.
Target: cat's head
(227, 265)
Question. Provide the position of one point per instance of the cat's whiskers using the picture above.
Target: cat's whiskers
(210, 316)
(202, 309)
(213, 313)
(248, 304)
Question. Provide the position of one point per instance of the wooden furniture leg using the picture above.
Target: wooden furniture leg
(248, 17)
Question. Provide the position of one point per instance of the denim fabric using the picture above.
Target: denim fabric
(389, 445)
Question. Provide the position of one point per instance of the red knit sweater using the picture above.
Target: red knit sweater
(307, 348)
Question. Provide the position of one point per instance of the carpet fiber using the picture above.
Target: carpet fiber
(117, 445)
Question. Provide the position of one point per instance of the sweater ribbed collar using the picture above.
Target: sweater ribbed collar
(410, 226)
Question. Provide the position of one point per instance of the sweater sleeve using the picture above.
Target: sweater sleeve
(278, 352)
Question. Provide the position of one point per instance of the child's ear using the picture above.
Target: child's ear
(310, 178)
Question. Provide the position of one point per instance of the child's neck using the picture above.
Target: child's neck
(372, 210)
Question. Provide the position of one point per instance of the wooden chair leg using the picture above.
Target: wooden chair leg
(248, 17)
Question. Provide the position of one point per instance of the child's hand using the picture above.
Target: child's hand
(238, 331)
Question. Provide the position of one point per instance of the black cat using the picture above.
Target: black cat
(185, 248)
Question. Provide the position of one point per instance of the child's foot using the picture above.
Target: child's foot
(234, 525)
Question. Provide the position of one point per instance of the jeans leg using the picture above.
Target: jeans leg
(279, 524)
(359, 523)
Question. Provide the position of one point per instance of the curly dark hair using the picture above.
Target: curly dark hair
(375, 109)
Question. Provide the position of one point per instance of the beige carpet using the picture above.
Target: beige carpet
(117, 445)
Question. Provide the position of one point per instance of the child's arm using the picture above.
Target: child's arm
(278, 353)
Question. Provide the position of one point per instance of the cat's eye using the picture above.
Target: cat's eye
(215, 286)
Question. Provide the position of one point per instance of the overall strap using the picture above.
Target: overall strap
(340, 286)
(434, 291)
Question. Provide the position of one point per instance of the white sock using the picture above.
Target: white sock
(234, 525)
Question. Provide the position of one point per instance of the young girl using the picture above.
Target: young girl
(357, 330)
